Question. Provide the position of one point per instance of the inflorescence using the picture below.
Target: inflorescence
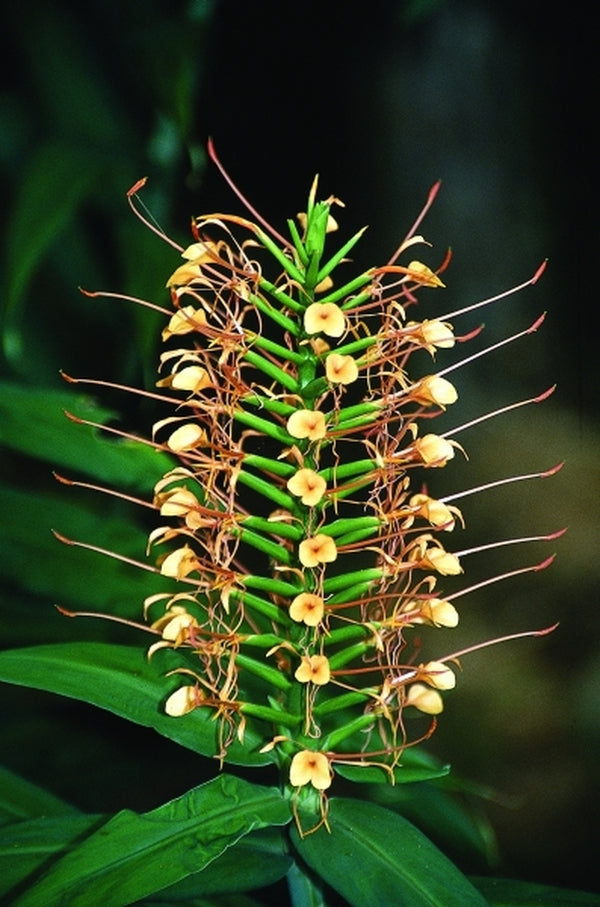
(302, 545)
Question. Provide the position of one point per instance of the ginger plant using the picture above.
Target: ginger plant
(304, 551)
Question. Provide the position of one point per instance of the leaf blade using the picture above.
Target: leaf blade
(374, 857)
(514, 893)
(132, 856)
(257, 860)
(22, 800)
(121, 680)
(33, 422)
(29, 846)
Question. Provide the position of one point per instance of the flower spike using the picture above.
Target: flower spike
(296, 538)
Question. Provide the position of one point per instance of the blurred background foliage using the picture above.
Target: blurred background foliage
(381, 99)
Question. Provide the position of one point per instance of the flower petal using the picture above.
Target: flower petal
(308, 767)
(307, 608)
(313, 669)
(307, 423)
(308, 485)
(340, 369)
(326, 318)
(320, 549)
(424, 699)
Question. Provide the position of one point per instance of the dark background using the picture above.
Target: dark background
(381, 99)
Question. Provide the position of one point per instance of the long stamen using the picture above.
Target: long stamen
(213, 156)
(490, 349)
(430, 200)
(113, 385)
(499, 639)
(491, 546)
(535, 568)
(102, 294)
(498, 412)
(498, 296)
(110, 429)
(499, 482)
(148, 221)
(112, 617)
(142, 565)
(103, 490)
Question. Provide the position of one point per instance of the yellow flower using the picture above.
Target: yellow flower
(441, 613)
(320, 549)
(326, 318)
(331, 226)
(432, 334)
(434, 611)
(425, 699)
(324, 285)
(434, 557)
(187, 437)
(184, 321)
(442, 562)
(434, 389)
(193, 378)
(435, 512)
(437, 675)
(424, 275)
(196, 254)
(434, 450)
(307, 423)
(313, 669)
(319, 346)
(182, 701)
(181, 502)
(307, 608)
(307, 485)
(180, 563)
(175, 625)
(309, 767)
(340, 369)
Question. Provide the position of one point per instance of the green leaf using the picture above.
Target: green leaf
(220, 900)
(56, 179)
(33, 559)
(272, 526)
(274, 314)
(347, 525)
(456, 823)
(304, 891)
(132, 856)
(20, 799)
(272, 676)
(511, 893)
(121, 680)
(257, 860)
(374, 857)
(351, 579)
(27, 847)
(297, 240)
(270, 547)
(33, 422)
